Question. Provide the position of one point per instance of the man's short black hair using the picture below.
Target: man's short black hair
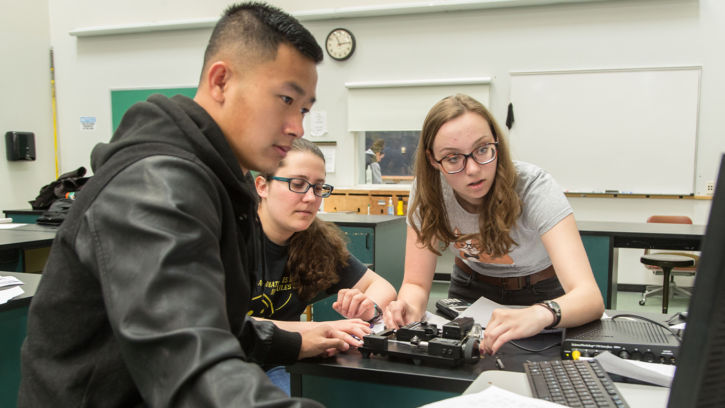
(256, 30)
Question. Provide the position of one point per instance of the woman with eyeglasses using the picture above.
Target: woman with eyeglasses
(306, 257)
(508, 224)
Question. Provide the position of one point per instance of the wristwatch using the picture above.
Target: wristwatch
(554, 309)
(378, 316)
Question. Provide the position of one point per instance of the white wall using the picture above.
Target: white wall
(613, 34)
(26, 98)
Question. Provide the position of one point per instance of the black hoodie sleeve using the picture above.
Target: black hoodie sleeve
(152, 236)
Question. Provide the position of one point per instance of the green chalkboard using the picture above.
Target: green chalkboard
(121, 100)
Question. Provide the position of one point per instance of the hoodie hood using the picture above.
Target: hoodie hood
(181, 122)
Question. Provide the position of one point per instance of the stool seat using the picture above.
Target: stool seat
(667, 261)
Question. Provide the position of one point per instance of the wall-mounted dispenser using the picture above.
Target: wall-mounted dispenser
(20, 146)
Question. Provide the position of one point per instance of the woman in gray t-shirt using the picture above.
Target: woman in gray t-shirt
(508, 224)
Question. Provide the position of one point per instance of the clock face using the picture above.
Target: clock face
(340, 44)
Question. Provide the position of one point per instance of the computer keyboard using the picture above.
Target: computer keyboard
(581, 384)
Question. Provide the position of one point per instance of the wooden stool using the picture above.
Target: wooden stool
(667, 263)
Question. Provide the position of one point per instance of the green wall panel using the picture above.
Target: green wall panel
(121, 100)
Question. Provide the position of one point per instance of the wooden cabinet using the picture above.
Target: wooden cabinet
(357, 201)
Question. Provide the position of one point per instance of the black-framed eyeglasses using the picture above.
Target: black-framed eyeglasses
(456, 162)
(301, 186)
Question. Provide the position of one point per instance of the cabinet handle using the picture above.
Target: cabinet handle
(367, 242)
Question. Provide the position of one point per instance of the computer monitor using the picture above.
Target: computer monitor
(700, 377)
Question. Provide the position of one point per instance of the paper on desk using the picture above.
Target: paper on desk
(431, 318)
(8, 294)
(481, 311)
(10, 281)
(657, 374)
(10, 226)
(492, 397)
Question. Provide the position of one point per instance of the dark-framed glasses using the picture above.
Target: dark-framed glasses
(301, 186)
(456, 162)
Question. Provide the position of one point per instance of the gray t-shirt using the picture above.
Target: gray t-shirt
(544, 206)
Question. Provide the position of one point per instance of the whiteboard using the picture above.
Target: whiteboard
(626, 130)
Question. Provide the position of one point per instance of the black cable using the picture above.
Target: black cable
(651, 321)
(676, 315)
(534, 351)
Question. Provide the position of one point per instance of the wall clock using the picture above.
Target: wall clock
(340, 44)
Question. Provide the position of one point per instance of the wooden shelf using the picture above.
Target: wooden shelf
(357, 200)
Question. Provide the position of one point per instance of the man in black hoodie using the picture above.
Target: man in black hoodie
(145, 296)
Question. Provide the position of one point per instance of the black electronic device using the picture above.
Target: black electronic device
(628, 339)
(700, 372)
(457, 343)
(20, 146)
(573, 384)
(452, 307)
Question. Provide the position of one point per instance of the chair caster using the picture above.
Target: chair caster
(641, 302)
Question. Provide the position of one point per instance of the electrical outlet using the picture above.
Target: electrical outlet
(710, 189)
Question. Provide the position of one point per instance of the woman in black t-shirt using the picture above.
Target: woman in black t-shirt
(306, 257)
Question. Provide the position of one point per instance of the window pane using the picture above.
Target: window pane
(398, 154)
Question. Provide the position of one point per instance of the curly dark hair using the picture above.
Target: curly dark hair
(317, 253)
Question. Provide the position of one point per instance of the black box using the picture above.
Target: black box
(20, 146)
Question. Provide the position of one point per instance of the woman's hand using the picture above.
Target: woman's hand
(398, 314)
(352, 327)
(512, 324)
(353, 304)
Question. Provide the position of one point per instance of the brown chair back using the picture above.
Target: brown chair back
(670, 219)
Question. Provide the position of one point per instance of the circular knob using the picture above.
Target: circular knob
(624, 355)
(472, 353)
(649, 357)
(636, 355)
(576, 354)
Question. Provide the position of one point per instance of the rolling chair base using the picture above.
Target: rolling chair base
(674, 290)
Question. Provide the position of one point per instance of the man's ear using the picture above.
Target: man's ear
(217, 79)
(262, 187)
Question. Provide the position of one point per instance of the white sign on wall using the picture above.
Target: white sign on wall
(318, 123)
(88, 123)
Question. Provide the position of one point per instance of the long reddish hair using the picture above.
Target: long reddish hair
(499, 209)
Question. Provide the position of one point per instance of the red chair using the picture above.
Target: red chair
(688, 271)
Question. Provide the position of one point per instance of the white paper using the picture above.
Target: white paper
(435, 319)
(481, 311)
(658, 374)
(10, 226)
(8, 294)
(10, 281)
(6, 220)
(329, 151)
(492, 397)
(318, 123)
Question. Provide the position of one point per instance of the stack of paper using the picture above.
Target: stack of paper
(7, 294)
